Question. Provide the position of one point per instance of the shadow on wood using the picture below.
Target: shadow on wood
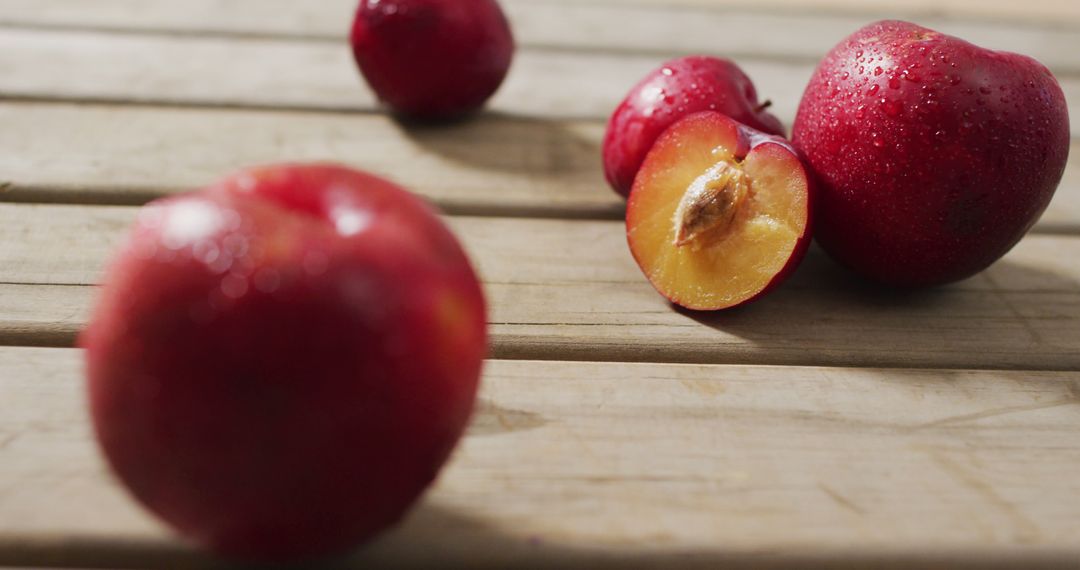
(1000, 297)
(565, 153)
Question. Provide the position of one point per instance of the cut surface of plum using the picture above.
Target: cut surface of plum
(719, 213)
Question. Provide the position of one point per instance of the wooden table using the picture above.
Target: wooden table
(829, 424)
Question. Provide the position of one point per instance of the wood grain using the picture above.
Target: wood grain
(562, 289)
(495, 165)
(615, 465)
(94, 66)
(732, 29)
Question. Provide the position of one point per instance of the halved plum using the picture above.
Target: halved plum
(719, 213)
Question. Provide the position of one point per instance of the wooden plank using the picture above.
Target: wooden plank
(782, 34)
(1037, 12)
(121, 154)
(311, 20)
(802, 34)
(605, 465)
(494, 165)
(1065, 207)
(93, 66)
(40, 315)
(69, 65)
(562, 289)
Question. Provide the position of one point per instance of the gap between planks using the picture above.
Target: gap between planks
(422, 541)
(613, 465)
(116, 195)
(569, 290)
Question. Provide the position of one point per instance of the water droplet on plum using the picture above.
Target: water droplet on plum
(891, 108)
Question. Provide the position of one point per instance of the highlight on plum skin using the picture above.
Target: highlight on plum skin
(719, 214)
(279, 364)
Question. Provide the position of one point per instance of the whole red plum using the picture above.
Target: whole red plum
(677, 88)
(432, 59)
(279, 364)
(934, 156)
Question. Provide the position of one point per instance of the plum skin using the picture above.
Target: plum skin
(432, 59)
(677, 88)
(278, 365)
(933, 156)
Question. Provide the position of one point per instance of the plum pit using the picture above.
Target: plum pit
(709, 207)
